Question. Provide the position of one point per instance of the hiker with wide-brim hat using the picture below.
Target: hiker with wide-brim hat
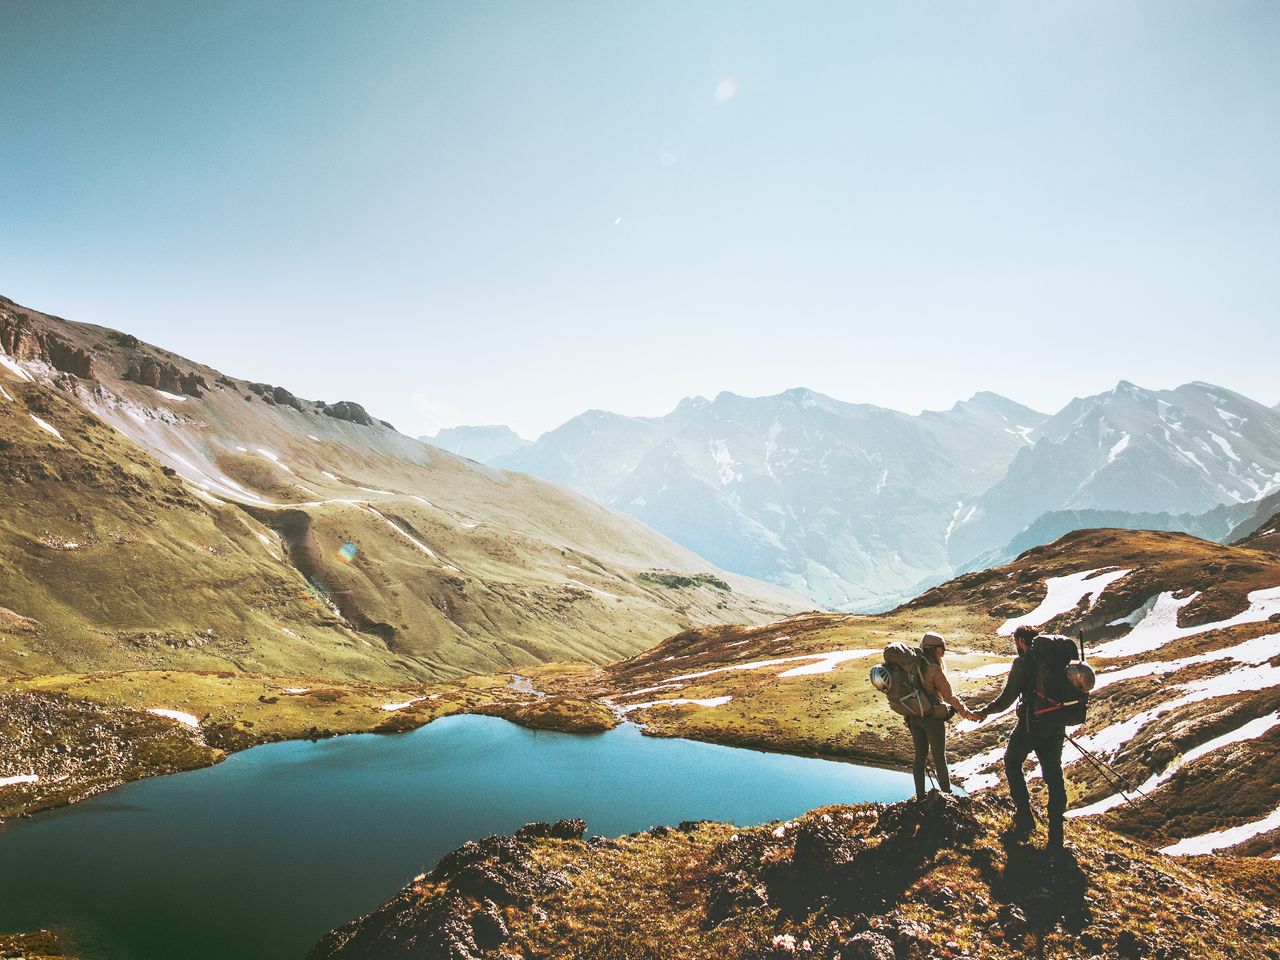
(929, 733)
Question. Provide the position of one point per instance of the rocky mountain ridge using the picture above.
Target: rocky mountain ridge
(847, 503)
(860, 507)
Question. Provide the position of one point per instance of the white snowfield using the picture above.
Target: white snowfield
(407, 703)
(5, 393)
(1256, 651)
(1249, 731)
(14, 367)
(172, 396)
(20, 778)
(1064, 595)
(1245, 679)
(1220, 839)
(705, 702)
(826, 662)
(46, 426)
(1160, 626)
(186, 719)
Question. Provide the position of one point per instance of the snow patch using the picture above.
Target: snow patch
(1120, 447)
(1218, 839)
(172, 396)
(826, 662)
(48, 427)
(15, 368)
(1249, 731)
(186, 719)
(1063, 595)
(20, 778)
(705, 702)
(401, 706)
(1160, 626)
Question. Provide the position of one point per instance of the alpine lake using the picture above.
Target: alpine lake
(257, 857)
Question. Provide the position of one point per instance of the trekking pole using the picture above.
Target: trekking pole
(1107, 772)
(1121, 777)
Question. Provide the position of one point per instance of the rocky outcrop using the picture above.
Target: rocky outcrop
(165, 375)
(349, 411)
(276, 395)
(455, 912)
(22, 340)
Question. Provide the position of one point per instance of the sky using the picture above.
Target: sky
(511, 212)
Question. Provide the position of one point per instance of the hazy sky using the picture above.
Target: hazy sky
(477, 212)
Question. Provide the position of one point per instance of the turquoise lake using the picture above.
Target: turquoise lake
(259, 856)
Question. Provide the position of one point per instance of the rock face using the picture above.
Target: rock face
(349, 411)
(165, 375)
(480, 879)
(21, 340)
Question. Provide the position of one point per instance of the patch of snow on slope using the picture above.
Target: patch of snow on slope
(706, 702)
(1230, 418)
(1254, 652)
(1064, 595)
(275, 459)
(48, 427)
(1249, 731)
(827, 661)
(587, 586)
(402, 706)
(1226, 447)
(1219, 839)
(186, 719)
(1160, 626)
(1121, 445)
(5, 393)
(172, 396)
(724, 461)
(396, 527)
(1247, 679)
(14, 367)
(331, 476)
(20, 778)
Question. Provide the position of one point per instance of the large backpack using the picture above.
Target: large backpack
(905, 688)
(1051, 696)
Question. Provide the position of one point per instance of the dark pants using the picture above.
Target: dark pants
(930, 733)
(1045, 740)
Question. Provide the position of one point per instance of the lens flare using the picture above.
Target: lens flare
(726, 90)
(347, 552)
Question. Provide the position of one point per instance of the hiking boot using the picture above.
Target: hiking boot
(1023, 825)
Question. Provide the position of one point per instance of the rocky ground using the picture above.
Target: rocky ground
(942, 878)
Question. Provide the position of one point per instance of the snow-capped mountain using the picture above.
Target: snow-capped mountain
(849, 503)
(478, 443)
(860, 507)
(1185, 450)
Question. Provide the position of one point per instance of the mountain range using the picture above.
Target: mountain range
(861, 507)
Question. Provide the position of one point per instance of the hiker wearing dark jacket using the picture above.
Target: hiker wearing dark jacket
(930, 733)
(1042, 736)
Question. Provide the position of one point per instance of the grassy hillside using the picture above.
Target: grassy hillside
(163, 515)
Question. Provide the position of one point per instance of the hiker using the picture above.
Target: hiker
(1043, 736)
(929, 733)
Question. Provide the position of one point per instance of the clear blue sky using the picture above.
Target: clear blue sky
(475, 212)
